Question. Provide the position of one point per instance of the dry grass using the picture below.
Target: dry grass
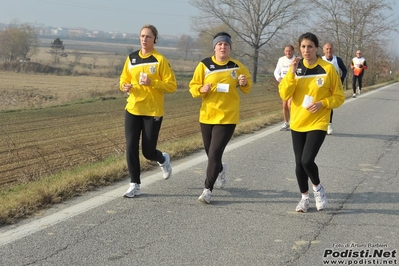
(101, 59)
(22, 91)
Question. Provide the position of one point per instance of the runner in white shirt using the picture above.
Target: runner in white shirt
(282, 67)
(358, 65)
(339, 65)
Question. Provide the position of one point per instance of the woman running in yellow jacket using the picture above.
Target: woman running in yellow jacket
(146, 76)
(216, 81)
(315, 88)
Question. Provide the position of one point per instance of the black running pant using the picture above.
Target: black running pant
(148, 128)
(215, 138)
(306, 146)
(359, 79)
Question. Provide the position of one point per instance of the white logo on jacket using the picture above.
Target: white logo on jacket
(233, 74)
(319, 81)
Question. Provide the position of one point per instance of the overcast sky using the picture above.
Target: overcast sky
(171, 17)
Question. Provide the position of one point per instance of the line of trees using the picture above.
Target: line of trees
(18, 42)
(255, 22)
(261, 28)
(360, 25)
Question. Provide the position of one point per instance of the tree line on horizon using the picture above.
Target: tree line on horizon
(261, 28)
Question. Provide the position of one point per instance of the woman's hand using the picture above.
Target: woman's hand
(206, 88)
(126, 87)
(144, 79)
(314, 107)
(242, 80)
(294, 64)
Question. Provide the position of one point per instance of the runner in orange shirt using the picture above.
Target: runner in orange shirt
(358, 66)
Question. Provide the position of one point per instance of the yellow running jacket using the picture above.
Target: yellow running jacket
(320, 81)
(147, 100)
(222, 104)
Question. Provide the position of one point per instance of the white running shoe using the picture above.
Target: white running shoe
(285, 126)
(303, 205)
(354, 95)
(359, 91)
(165, 166)
(205, 196)
(221, 180)
(330, 129)
(134, 190)
(321, 199)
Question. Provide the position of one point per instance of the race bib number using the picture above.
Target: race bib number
(222, 87)
(307, 101)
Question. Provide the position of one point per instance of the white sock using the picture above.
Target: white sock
(305, 196)
(317, 188)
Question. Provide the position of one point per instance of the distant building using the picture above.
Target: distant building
(95, 34)
(59, 32)
(82, 33)
(77, 32)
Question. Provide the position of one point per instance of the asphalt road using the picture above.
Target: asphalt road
(250, 222)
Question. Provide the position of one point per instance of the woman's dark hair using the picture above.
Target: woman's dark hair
(222, 34)
(309, 36)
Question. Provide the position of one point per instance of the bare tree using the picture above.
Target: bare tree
(94, 62)
(255, 22)
(185, 44)
(18, 41)
(28, 42)
(7, 49)
(356, 25)
(78, 57)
